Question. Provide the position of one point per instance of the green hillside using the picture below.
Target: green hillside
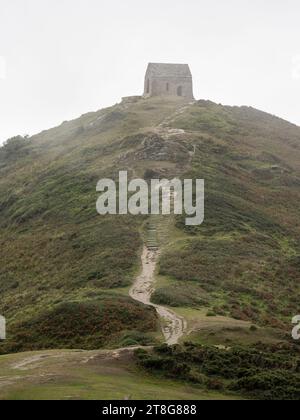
(244, 261)
(55, 248)
(65, 271)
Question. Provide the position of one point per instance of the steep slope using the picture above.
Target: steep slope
(64, 267)
(58, 255)
(244, 261)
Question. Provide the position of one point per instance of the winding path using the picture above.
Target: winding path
(173, 326)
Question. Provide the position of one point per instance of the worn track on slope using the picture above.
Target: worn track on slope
(173, 326)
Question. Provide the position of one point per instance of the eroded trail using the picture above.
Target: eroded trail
(173, 326)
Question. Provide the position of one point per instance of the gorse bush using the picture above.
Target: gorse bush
(262, 372)
(13, 149)
(86, 325)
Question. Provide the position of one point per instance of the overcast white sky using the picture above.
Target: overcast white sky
(62, 58)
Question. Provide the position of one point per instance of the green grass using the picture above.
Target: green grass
(67, 376)
(242, 264)
(56, 248)
(242, 261)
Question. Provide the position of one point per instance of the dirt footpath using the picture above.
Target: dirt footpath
(173, 326)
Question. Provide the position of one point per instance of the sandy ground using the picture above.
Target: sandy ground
(173, 326)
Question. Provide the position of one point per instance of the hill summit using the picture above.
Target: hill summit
(66, 272)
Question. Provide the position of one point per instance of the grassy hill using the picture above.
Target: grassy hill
(65, 271)
(55, 248)
(244, 260)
